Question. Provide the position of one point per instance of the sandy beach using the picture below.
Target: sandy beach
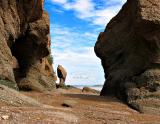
(86, 108)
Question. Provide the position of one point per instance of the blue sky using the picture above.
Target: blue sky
(75, 25)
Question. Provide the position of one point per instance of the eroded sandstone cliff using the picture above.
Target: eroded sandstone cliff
(24, 44)
(130, 52)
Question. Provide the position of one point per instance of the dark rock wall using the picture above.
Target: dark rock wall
(24, 42)
(130, 52)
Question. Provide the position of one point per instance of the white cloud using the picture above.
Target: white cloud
(87, 9)
(83, 8)
(74, 49)
(59, 1)
(71, 37)
(79, 60)
(103, 16)
(88, 34)
(80, 5)
(116, 1)
(57, 10)
(79, 66)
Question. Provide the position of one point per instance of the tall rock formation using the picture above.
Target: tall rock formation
(62, 74)
(130, 52)
(24, 44)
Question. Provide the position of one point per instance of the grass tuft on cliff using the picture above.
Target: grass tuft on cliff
(50, 59)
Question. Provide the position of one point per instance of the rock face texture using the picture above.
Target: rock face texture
(10, 97)
(24, 44)
(62, 73)
(130, 52)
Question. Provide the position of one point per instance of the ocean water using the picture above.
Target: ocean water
(99, 88)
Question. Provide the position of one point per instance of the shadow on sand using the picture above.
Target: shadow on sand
(93, 97)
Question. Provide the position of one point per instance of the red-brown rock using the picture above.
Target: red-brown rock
(24, 31)
(130, 52)
(62, 73)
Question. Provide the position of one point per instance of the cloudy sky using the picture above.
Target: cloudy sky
(75, 25)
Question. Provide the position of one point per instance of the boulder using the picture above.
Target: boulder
(10, 97)
(62, 73)
(5, 117)
(90, 90)
(129, 49)
(69, 103)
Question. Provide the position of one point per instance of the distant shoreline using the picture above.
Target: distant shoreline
(96, 87)
(88, 85)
